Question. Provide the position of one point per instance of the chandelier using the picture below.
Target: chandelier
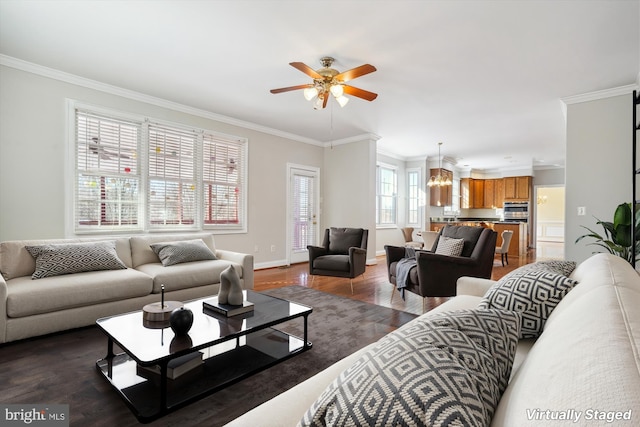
(439, 180)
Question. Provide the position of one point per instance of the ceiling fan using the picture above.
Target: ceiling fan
(329, 80)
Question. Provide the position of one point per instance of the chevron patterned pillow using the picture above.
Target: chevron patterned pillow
(533, 292)
(448, 369)
(69, 258)
(171, 253)
(449, 246)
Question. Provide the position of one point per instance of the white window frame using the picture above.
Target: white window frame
(144, 224)
(417, 198)
(379, 195)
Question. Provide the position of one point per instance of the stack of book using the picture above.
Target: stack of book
(213, 306)
(175, 367)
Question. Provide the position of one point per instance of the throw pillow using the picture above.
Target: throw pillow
(171, 253)
(69, 258)
(534, 293)
(449, 246)
(564, 268)
(447, 369)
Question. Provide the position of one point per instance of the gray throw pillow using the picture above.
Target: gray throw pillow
(534, 292)
(447, 369)
(171, 253)
(69, 258)
(449, 246)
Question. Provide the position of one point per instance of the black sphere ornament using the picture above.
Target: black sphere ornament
(181, 320)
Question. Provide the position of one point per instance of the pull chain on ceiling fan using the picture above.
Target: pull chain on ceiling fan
(328, 80)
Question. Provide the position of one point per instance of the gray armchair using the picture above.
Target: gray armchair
(343, 253)
(436, 275)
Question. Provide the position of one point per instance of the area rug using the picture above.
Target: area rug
(60, 368)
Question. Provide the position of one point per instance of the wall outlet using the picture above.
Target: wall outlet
(273, 248)
(256, 249)
(582, 210)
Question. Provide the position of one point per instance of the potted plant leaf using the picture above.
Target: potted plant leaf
(617, 234)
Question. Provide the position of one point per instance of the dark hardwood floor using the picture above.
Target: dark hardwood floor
(61, 365)
(373, 288)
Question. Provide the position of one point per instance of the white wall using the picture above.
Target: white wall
(32, 158)
(548, 176)
(598, 166)
(348, 194)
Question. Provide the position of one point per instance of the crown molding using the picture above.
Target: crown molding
(54, 74)
(364, 137)
(599, 94)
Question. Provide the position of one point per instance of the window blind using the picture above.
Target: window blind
(223, 172)
(172, 193)
(107, 184)
(135, 173)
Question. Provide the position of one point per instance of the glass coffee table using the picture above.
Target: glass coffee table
(233, 348)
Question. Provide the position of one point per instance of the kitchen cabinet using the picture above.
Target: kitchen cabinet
(481, 193)
(489, 193)
(478, 193)
(441, 196)
(517, 188)
(465, 193)
(498, 194)
(471, 193)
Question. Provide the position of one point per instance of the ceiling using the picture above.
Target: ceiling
(483, 77)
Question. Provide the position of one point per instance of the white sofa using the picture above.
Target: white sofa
(35, 307)
(585, 364)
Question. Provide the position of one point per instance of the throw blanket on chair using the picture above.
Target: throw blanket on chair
(403, 268)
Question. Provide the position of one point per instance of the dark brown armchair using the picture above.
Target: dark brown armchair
(435, 275)
(343, 253)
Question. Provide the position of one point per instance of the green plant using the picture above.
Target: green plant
(617, 234)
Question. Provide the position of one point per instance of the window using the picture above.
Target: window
(454, 209)
(413, 197)
(223, 182)
(171, 198)
(107, 173)
(135, 173)
(387, 194)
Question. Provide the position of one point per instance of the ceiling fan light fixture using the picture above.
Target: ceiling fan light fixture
(327, 80)
(310, 93)
(342, 100)
(337, 90)
(317, 105)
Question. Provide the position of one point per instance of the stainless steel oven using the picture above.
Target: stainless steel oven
(516, 211)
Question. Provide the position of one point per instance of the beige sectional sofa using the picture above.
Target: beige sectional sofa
(34, 307)
(584, 368)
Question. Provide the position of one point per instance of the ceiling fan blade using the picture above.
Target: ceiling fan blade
(355, 72)
(360, 93)
(324, 101)
(287, 89)
(306, 69)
